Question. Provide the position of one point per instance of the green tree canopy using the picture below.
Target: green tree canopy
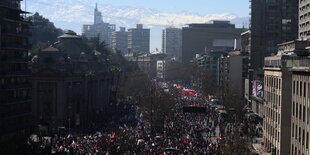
(44, 32)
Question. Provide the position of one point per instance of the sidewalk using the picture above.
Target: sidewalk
(259, 148)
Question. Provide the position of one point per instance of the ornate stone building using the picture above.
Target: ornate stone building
(71, 84)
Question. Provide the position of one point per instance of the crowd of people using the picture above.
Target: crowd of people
(183, 133)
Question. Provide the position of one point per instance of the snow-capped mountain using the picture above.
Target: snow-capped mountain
(81, 11)
(72, 14)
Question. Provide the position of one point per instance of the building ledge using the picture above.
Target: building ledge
(257, 99)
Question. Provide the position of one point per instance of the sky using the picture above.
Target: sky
(156, 15)
(237, 7)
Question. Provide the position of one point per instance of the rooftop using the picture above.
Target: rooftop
(212, 24)
(69, 34)
(50, 49)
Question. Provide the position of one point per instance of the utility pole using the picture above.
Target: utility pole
(152, 110)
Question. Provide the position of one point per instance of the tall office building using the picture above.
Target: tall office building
(286, 83)
(139, 39)
(15, 87)
(214, 36)
(300, 110)
(172, 43)
(120, 40)
(304, 19)
(232, 71)
(99, 29)
(97, 16)
(272, 22)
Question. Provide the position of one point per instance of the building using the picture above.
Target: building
(15, 86)
(245, 42)
(150, 63)
(304, 19)
(214, 36)
(233, 67)
(300, 115)
(71, 85)
(172, 43)
(282, 97)
(272, 22)
(209, 61)
(161, 64)
(120, 40)
(139, 39)
(208, 67)
(99, 29)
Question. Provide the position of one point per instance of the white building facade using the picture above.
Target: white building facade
(99, 29)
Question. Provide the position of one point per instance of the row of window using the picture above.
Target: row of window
(273, 82)
(299, 111)
(306, 24)
(301, 88)
(272, 131)
(304, 34)
(300, 135)
(273, 98)
(13, 81)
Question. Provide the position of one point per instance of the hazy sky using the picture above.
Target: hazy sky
(236, 7)
(154, 14)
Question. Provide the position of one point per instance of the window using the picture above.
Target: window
(300, 110)
(304, 114)
(297, 86)
(293, 109)
(299, 135)
(286, 21)
(296, 110)
(293, 130)
(308, 90)
(308, 114)
(270, 1)
(303, 137)
(305, 88)
(296, 132)
(300, 88)
(307, 140)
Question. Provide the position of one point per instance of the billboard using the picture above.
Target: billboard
(258, 90)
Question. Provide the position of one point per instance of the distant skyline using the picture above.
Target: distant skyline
(236, 7)
(72, 14)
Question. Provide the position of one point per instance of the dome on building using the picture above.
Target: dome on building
(69, 34)
(50, 49)
(72, 44)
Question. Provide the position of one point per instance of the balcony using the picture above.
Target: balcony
(15, 73)
(15, 19)
(11, 101)
(18, 113)
(5, 59)
(16, 46)
(286, 61)
(10, 4)
(16, 86)
(16, 33)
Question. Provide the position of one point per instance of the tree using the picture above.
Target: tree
(43, 31)
(95, 44)
(205, 80)
(177, 71)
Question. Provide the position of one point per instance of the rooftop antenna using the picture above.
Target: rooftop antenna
(25, 8)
